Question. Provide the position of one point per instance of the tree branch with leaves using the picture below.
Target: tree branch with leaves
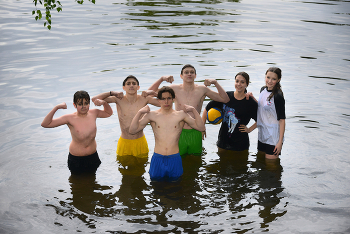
(50, 5)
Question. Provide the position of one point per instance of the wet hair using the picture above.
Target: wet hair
(187, 66)
(131, 77)
(246, 77)
(166, 89)
(277, 87)
(81, 95)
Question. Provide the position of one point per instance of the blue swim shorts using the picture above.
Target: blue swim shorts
(167, 167)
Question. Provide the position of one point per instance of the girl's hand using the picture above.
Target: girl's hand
(277, 149)
(243, 128)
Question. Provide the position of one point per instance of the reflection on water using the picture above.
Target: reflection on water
(95, 46)
(247, 185)
(248, 190)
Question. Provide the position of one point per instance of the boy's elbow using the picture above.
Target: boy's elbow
(132, 130)
(110, 113)
(45, 125)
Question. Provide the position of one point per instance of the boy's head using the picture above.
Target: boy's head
(131, 77)
(188, 66)
(165, 89)
(81, 95)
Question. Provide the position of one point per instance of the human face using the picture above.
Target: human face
(271, 79)
(166, 101)
(188, 74)
(82, 106)
(240, 83)
(131, 85)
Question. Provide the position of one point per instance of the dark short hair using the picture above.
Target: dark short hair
(131, 77)
(186, 66)
(166, 89)
(81, 95)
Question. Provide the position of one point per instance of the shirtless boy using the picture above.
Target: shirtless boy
(167, 125)
(82, 156)
(189, 93)
(127, 106)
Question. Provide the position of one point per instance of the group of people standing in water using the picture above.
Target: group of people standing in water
(177, 131)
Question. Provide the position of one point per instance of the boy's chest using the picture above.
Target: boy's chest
(83, 127)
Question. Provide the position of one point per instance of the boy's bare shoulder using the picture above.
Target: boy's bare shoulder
(175, 86)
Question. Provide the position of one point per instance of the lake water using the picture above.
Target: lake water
(94, 47)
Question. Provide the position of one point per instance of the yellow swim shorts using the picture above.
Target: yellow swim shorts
(136, 147)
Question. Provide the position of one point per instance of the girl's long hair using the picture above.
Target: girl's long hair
(277, 87)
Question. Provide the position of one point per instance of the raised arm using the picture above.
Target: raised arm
(250, 94)
(156, 84)
(107, 110)
(196, 122)
(140, 120)
(49, 122)
(221, 96)
(109, 97)
(150, 97)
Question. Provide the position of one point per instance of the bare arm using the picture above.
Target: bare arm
(49, 122)
(278, 147)
(244, 128)
(250, 94)
(204, 115)
(153, 101)
(138, 122)
(195, 122)
(221, 96)
(149, 95)
(204, 119)
(110, 97)
(156, 84)
(107, 110)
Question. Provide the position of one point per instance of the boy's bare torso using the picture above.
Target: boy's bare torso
(167, 129)
(126, 112)
(83, 130)
(194, 97)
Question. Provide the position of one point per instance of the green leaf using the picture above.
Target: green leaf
(33, 12)
(49, 27)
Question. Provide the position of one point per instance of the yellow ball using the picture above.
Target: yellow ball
(214, 116)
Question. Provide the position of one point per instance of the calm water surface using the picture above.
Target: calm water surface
(94, 47)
